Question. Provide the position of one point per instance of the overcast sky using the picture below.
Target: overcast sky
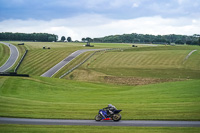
(98, 18)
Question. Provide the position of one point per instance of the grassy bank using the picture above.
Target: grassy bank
(165, 63)
(39, 60)
(54, 98)
(93, 129)
(4, 54)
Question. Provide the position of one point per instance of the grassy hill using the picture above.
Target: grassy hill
(40, 60)
(4, 54)
(72, 99)
(39, 97)
(151, 64)
(134, 66)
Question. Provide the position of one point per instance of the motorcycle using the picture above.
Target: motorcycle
(103, 115)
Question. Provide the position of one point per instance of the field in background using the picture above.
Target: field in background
(141, 65)
(134, 66)
(53, 45)
(4, 54)
(40, 97)
(72, 99)
(39, 60)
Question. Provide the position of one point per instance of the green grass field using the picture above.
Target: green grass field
(72, 63)
(152, 63)
(108, 77)
(40, 97)
(93, 129)
(53, 45)
(4, 54)
(40, 60)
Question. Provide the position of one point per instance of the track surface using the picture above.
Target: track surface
(64, 62)
(137, 123)
(14, 54)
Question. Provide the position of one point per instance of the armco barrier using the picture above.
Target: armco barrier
(77, 65)
(88, 59)
(16, 68)
(13, 74)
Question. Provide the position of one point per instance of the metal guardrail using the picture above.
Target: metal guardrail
(189, 55)
(88, 59)
(13, 74)
(18, 65)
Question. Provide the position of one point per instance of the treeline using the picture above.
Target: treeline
(41, 37)
(146, 38)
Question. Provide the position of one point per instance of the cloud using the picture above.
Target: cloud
(114, 9)
(135, 5)
(99, 26)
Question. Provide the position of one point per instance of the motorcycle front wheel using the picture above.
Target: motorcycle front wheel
(116, 117)
(98, 117)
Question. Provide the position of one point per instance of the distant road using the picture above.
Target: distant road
(136, 123)
(14, 54)
(64, 62)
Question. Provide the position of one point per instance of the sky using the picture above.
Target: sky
(98, 18)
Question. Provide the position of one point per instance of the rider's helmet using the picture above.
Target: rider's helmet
(110, 105)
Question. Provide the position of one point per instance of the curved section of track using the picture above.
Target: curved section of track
(64, 62)
(137, 123)
(14, 54)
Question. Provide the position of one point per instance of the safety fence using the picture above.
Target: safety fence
(13, 74)
(18, 65)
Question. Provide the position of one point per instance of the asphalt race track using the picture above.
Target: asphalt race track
(136, 123)
(14, 54)
(64, 62)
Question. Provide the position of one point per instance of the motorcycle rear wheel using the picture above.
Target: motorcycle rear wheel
(98, 117)
(116, 117)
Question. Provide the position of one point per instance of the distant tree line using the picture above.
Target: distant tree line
(87, 39)
(69, 39)
(146, 38)
(42, 37)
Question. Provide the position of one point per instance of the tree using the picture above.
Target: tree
(63, 38)
(51, 39)
(189, 42)
(69, 39)
(199, 41)
(88, 39)
(83, 39)
(43, 37)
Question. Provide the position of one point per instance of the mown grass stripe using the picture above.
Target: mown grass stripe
(56, 98)
(43, 60)
(4, 54)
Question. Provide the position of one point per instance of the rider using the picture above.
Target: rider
(110, 109)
